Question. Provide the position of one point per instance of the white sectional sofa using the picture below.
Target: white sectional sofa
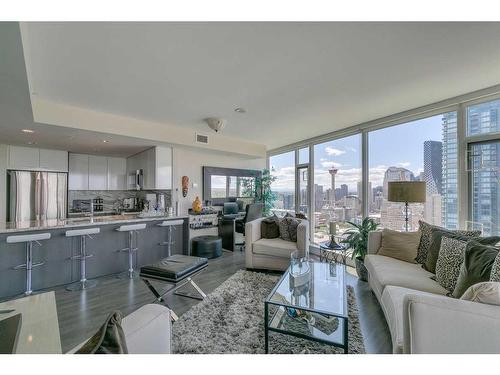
(421, 318)
(272, 254)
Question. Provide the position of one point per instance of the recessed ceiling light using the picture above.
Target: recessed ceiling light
(105, 141)
(27, 131)
(32, 143)
(240, 110)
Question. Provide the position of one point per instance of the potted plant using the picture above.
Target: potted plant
(261, 190)
(357, 239)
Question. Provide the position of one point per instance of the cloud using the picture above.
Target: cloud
(285, 179)
(404, 164)
(330, 164)
(350, 177)
(376, 175)
(334, 151)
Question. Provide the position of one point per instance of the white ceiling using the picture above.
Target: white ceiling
(296, 80)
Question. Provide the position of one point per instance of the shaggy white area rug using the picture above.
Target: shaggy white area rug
(231, 320)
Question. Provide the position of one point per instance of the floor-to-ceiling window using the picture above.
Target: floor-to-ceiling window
(461, 192)
(421, 150)
(484, 167)
(337, 185)
(282, 166)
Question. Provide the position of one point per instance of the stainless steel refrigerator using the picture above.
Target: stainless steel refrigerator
(37, 195)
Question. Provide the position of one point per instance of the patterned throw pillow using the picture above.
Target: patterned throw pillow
(425, 240)
(495, 269)
(288, 229)
(450, 259)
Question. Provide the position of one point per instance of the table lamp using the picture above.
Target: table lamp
(407, 192)
(333, 231)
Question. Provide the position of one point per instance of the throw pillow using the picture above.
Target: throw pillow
(495, 269)
(435, 246)
(451, 257)
(477, 266)
(288, 229)
(399, 245)
(425, 240)
(487, 292)
(269, 227)
(110, 338)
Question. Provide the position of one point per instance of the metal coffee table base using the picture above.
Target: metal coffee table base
(267, 329)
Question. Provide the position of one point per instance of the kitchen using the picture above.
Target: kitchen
(51, 192)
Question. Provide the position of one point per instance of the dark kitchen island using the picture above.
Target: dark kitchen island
(56, 253)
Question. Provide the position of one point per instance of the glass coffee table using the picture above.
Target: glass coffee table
(311, 306)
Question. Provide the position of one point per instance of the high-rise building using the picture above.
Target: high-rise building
(391, 213)
(318, 197)
(485, 165)
(433, 176)
(449, 190)
(433, 167)
(396, 174)
(288, 201)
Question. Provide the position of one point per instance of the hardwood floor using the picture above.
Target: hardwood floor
(81, 313)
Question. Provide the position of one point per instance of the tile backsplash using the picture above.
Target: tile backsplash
(113, 198)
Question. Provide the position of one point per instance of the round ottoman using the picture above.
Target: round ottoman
(206, 247)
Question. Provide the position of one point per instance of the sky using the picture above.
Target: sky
(401, 145)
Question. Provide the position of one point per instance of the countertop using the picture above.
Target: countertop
(26, 226)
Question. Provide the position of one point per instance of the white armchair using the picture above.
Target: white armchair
(272, 254)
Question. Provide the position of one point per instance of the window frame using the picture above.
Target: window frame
(457, 104)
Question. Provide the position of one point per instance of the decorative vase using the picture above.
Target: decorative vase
(361, 270)
(197, 205)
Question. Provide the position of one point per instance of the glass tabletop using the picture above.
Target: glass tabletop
(322, 289)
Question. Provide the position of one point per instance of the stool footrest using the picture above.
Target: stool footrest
(165, 243)
(80, 257)
(24, 266)
(127, 249)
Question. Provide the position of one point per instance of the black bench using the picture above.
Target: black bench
(177, 270)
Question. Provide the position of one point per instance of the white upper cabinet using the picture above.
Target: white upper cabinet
(163, 168)
(117, 174)
(98, 172)
(90, 172)
(30, 158)
(156, 165)
(54, 160)
(78, 177)
(24, 157)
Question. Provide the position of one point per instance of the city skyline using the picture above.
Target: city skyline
(345, 154)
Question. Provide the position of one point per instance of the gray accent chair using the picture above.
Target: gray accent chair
(272, 254)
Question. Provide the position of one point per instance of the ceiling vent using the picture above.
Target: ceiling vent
(203, 139)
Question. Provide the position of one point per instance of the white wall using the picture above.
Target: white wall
(189, 162)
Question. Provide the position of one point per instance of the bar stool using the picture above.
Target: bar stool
(82, 257)
(132, 230)
(29, 265)
(170, 225)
